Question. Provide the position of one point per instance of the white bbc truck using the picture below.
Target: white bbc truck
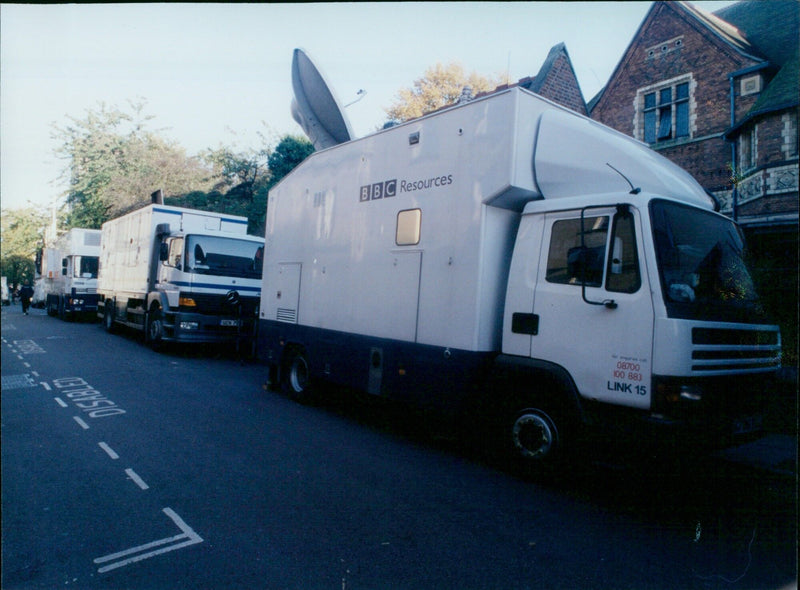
(180, 275)
(523, 264)
(66, 285)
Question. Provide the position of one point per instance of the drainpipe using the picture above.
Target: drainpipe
(735, 191)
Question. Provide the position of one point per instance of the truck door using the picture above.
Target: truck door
(593, 304)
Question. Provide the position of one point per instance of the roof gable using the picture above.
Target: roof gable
(722, 33)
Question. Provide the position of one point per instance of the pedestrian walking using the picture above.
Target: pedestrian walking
(25, 295)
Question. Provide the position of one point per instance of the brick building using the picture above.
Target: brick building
(555, 81)
(718, 94)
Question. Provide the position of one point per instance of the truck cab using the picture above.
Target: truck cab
(647, 304)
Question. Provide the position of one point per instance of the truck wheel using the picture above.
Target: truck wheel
(61, 311)
(51, 311)
(154, 331)
(108, 319)
(296, 377)
(534, 441)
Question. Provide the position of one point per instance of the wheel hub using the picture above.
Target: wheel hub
(533, 435)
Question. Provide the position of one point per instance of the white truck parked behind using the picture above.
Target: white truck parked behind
(180, 275)
(523, 264)
(67, 281)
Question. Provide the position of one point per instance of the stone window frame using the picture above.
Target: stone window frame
(655, 89)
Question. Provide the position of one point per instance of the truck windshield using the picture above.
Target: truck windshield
(225, 257)
(701, 264)
(86, 267)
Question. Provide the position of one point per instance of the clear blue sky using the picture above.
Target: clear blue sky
(211, 73)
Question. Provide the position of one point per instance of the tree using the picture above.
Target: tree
(290, 151)
(114, 163)
(21, 237)
(440, 86)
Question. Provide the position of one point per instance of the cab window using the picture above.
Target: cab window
(571, 260)
(175, 257)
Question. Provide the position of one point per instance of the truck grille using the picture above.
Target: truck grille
(716, 350)
(213, 304)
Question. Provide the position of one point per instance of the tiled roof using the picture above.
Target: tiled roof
(772, 27)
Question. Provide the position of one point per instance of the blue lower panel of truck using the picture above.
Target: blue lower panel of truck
(421, 374)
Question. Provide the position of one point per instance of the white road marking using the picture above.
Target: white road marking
(83, 424)
(109, 451)
(191, 538)
(61, 402)
(136, 479)
(45, 385)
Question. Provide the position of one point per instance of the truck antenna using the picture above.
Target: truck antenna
(634, 190)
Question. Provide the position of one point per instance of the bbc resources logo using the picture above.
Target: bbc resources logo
(378, 190)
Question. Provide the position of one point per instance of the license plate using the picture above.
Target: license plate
(229, 322)
(748, 424)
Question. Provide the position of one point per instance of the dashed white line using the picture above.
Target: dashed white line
(83, 424)
(61, 402)
(45, 385)
(109, 451)
(35, 373)
(136, 479)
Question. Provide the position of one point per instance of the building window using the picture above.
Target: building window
(789, 133)
(666, 112)
(748, 149)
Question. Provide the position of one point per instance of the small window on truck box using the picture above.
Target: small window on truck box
(409, 223)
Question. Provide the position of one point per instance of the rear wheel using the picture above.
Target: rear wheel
(154, 330)
(295, 376)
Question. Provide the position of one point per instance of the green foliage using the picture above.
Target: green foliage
(21, 236)
(290, 151)
(246, 177)
(114, 163)
(440, 86)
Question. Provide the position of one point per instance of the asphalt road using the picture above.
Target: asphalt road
(126, 468)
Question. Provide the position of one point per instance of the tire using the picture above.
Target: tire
(50, 310)
(108, 319)
(154, 329)
(535, 441)
(296, 377)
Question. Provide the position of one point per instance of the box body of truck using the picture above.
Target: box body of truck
(180, 275)
(67, 281)
(509, 255)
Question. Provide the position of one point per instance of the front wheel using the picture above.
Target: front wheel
(154, 330)
(108, 318)
(535, 441)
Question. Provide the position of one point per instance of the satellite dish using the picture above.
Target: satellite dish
(315, 107)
